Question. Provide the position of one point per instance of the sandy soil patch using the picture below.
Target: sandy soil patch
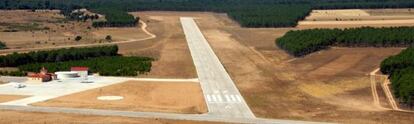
(358, 17)
(27, 16)
(337, 13)
(359, 14)
(338, 65)
(120, 34)
(390, 12)
(59, 31)
(174, 97)
(7, 98)
(11, 117)
(349, 24)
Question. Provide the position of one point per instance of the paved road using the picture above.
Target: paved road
(12, 79)
(222, 97)
(53, 89)
(197, 117)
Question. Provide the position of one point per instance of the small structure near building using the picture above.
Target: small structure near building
(82, 71)
(42, 76)
(18, 85)
(63, 75)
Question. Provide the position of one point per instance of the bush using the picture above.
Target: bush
(2, 45)
(78, 38)
(108, 38)
(12, 73)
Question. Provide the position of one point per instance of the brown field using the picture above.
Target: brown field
(173, 97)
(169, 48)
(7, 98)
(47, 28)
(358, 17)
(12, 117)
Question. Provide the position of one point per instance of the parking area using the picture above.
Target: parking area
(52, 89)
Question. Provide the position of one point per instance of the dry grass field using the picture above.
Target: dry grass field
(12, 117)
(358, 17)
(169, 48)
(172, 97)
(7, 98)
(21, 29)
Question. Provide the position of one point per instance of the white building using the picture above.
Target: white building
(62, 75)
(82, 72)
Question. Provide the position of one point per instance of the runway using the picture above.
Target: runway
(222, 96)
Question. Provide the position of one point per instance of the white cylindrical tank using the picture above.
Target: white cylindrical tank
(66, 75)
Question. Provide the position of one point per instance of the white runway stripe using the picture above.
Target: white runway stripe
(223, 98)
(208, 98)
(233, 98)
(227, 98)
(219, 98)
(239, 99)
(214, 98)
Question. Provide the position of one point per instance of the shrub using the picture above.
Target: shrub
(2, 45)
(108, 38)
(78, 38)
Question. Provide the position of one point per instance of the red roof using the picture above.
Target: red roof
(79, 68)
(38, 75)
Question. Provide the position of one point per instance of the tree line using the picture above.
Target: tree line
(105, 66)
(115, 18)
(401, 70)
(270, 15)
(81, 16)
(248, 13)
(303, 42)
(59, 55)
